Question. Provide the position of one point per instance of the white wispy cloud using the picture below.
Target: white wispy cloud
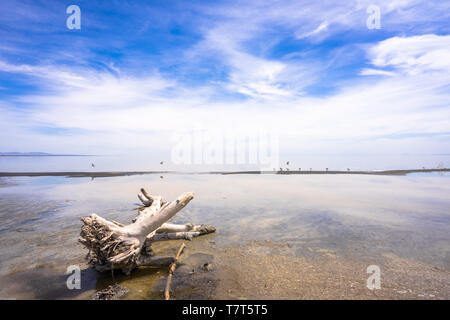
(414, 54)
(322, 27)
(375, 72)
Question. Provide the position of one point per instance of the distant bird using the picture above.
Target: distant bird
(326, 169)
(287, 163)
(161, 177)
(348, 169)
(92, 165)
(161, 162)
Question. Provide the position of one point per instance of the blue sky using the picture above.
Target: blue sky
(138, 70)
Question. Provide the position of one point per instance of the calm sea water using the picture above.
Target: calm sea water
(141, 162)
(354, 216)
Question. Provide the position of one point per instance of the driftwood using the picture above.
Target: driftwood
(171, 271)
(115, 246)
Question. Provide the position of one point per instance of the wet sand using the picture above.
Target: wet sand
(286, 172)
(270, 270)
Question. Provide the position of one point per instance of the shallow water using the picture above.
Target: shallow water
(151, 162)
(356, 220)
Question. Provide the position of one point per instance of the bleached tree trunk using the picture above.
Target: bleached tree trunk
(115, 246)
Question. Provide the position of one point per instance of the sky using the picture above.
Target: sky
(312, 71)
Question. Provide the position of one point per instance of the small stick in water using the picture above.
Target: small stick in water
(171, 271)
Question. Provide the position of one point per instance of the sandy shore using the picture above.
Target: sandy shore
(271, 270)
(104, 174)
(268, 270)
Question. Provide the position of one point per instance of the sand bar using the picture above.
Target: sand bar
(104, 174)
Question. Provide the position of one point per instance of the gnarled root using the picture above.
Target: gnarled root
(107, 245)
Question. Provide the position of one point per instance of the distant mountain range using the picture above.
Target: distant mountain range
(37, 154)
